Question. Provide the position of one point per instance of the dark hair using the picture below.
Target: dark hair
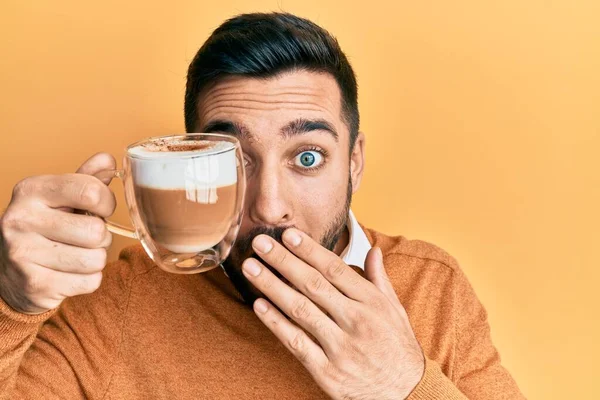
(263, 45)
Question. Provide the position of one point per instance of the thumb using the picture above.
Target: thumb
(376, 274)
(98, 163)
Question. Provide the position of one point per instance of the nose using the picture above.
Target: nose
(268, 198)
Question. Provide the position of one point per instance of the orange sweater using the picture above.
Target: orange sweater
(150, 334)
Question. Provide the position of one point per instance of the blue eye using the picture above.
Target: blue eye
(309, 159)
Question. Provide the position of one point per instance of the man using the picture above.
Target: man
(343, 312)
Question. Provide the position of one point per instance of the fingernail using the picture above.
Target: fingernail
(260, 306)
(292, 237)
(262, 244)
(251, 267)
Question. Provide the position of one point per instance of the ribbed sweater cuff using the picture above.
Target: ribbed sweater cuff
(14, 326)
(435, 385)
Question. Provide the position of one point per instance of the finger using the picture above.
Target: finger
(43, 284)
(329, 264)
(304, 277)
(375, 272)
(70, 284)
(293, 338)
(77, 191)
(65, 258)
(75, 284)
(97, 163)
(294, 304)
(72, 229)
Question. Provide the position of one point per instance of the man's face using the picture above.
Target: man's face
(299, 170)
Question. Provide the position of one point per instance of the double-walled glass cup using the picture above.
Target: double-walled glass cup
(185, 195)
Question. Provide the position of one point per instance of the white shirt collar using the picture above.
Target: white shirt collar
(358, 244)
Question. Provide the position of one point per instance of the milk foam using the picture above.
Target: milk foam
(154, 166)
(163, 148)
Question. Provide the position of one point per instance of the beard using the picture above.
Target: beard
(242, 249)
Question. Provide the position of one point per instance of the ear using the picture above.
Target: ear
(357, 161)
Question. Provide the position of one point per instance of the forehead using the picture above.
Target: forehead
(265, 104)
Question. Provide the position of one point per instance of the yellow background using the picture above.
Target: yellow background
(482, 119)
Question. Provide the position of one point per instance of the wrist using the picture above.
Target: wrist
(414, 373)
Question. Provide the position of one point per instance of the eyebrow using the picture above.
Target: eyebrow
(297, 127)
(229, 127)
(301, 126)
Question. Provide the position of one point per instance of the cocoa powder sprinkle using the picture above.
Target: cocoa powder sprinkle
(176, 146)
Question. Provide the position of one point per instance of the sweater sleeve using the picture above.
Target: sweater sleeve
(17, 333)
(479, 373)
(68, 353)
(435, 385)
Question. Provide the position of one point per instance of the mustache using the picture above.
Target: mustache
(244, 243)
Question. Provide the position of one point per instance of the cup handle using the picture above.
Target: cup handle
(107, 176)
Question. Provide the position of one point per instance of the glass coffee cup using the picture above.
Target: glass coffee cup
(185, 196)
